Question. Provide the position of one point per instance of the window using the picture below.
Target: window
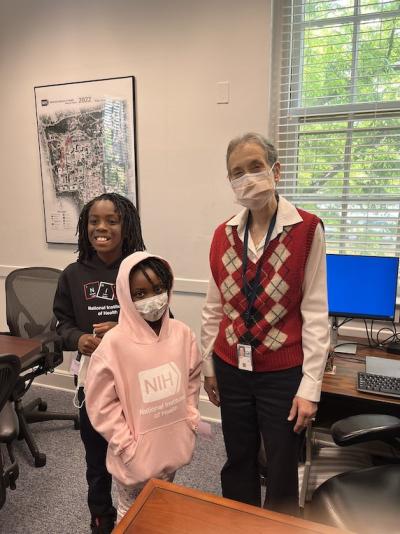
(339, 126)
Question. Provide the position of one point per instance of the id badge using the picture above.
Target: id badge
(245, 361)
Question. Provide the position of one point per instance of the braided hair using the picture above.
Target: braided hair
(132, 240)
(159, 267)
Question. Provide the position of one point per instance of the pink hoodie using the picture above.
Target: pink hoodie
(142, 391)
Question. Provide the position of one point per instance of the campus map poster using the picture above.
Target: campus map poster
(86, 134)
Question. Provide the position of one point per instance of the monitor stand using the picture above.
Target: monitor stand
(342, 348)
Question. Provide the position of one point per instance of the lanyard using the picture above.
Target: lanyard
(250, 289)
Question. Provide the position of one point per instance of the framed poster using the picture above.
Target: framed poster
(86, 133)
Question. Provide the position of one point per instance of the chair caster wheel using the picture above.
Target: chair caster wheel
(42, 406)
(40, 460)
(76, 424)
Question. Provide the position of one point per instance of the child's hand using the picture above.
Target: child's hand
(101, 328)
(88, 343)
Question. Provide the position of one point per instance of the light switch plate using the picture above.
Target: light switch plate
(223, 92)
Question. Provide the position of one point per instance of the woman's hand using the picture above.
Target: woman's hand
(305, 411)
(88, 343)
(211, 387)
(101, 328)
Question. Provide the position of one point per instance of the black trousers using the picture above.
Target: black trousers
(254, 404)
(98, 478)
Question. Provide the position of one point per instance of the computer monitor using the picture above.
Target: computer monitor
(363, 287)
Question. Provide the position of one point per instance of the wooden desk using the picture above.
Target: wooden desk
(26, 349)
(165, 508)
(340, 398)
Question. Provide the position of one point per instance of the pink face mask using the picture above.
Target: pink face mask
(254, 190)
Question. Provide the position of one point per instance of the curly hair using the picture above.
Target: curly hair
(159, 267)
(132, 240)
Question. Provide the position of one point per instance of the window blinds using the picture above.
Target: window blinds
(339, 126)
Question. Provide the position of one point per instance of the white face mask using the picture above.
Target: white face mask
(153, 308)
(254, 190)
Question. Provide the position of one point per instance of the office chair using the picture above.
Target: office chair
(364, 500)
(29, 309)
(10, 367)
(313, 441)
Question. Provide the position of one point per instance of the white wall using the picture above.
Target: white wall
(178, 50)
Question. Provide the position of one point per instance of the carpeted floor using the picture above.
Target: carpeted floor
(52, 499)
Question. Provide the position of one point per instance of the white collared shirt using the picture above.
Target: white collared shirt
(314, 307)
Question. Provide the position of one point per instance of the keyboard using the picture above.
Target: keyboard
(378, 384)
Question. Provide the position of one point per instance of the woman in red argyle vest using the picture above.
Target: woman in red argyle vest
(265, 330)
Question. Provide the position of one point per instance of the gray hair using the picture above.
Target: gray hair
(271, 154)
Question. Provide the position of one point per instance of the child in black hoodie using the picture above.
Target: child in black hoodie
(86, 307)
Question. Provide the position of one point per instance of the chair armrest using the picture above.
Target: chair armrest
(365, 427)
(53, 358)
(8, 423)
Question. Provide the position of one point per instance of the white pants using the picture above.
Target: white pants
(127, 495)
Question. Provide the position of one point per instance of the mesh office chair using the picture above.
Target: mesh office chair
(364, 500)
(10, 367)
(29, 309)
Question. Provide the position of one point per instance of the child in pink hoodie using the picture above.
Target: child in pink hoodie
(143, 382)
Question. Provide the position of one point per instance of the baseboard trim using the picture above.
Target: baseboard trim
(60, 379)
(208, 411)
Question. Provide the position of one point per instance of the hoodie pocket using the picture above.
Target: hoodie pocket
(157, 453)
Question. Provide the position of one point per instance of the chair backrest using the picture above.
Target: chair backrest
(10, 367)
(29, 300)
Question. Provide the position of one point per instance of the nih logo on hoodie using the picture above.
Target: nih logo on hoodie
(160, 382)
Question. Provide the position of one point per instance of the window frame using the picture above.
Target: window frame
(287, 122)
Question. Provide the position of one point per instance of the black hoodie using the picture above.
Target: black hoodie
(85, 296)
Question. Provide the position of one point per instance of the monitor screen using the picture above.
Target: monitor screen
(362, 286)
